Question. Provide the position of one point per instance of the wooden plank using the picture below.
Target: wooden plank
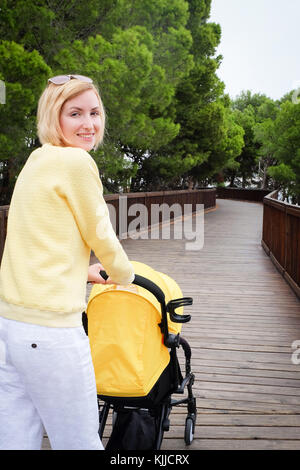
(248, 356)
(236, 378)
(216, 402)
(239, 432)
(247, 369)
(232, 432)
(240, 393)
(246, 365)
(269, 390)
(231, 444)
(225, 419)
(226, 329)
(229, 345)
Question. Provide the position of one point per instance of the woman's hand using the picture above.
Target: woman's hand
(94, 275)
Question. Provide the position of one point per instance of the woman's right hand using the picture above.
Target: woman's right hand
(94, 276)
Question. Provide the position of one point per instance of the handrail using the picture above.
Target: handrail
(242, 194)
(280, 238)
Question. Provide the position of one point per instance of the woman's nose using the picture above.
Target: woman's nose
(87, 122)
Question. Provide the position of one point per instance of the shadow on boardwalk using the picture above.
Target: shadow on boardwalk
(244, 320)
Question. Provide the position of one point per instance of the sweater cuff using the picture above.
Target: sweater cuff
(127, 281)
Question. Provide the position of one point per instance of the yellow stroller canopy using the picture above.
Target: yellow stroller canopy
(126, 341)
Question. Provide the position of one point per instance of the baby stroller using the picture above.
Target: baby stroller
(134, 332)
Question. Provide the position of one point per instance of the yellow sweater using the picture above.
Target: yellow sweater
(56, 216)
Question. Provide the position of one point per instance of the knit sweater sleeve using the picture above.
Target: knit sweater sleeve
(83, 191)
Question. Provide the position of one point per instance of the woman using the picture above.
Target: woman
(57, 215)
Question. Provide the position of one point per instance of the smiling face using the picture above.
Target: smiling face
(80, 120)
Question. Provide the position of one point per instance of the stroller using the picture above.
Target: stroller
(134, 332)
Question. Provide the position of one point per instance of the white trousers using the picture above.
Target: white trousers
(47, 381)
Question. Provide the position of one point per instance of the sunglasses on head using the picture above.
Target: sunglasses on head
(61, 79)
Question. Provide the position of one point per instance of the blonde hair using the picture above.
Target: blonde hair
(50, 106)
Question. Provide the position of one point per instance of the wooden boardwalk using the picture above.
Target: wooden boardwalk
(244, 321)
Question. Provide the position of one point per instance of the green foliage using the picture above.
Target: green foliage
(137, 51)
(265, 135)
(198, 150)
(250, 110)
(169, 124)
(283, 174)
(116, 171)
(287, 131)
(272, 142)
(23, 73)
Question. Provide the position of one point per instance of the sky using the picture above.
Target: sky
(260, 45)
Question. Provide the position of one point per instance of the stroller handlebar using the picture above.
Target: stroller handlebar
(146, 283)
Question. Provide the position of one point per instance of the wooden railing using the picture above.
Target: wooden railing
(281, 238)
(242, 194)
(207, 197)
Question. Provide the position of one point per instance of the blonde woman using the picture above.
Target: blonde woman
(57, 215)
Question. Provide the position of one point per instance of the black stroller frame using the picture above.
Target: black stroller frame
(163, 408)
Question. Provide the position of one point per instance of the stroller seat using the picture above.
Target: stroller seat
(134, 332)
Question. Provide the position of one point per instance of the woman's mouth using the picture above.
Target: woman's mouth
(87, 136)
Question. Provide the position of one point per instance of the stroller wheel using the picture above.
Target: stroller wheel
(189, 431)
